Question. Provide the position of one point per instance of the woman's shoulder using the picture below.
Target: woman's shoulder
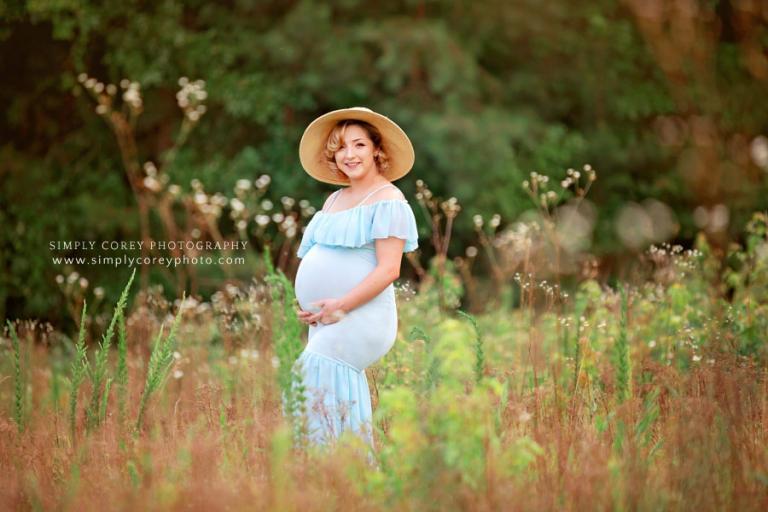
(330, 199)
(388, 192)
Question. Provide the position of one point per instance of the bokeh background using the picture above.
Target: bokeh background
(181, 120)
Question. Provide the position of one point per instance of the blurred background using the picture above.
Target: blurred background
(172, 120)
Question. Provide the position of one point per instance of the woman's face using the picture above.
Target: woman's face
(355, 155)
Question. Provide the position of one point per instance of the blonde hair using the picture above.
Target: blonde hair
(336, 139)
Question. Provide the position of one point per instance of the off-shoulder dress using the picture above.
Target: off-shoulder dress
(337, 252)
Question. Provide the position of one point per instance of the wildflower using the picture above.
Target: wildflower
(471, 251)
(132, 96)
(152, 184)
(177, 374)
(176, 355)
(651, 343)
(232, 290)
(478, 220)
(150, 169)
(525, 416)
(262, 220)
(275, 362)
(759, 151)
(98, 292)
(236, 205)
(60, 279)
(696, 358)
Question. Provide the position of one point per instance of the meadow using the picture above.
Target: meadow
(554, 352)
(563, 391)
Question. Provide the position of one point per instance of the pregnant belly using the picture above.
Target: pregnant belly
(367, 332)
(331, 272)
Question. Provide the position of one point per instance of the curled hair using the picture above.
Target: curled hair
(336, 139)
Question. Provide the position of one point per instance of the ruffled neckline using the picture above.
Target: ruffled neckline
(363, 206)
(360, 225)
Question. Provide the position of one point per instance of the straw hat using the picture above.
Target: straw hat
(394, 141)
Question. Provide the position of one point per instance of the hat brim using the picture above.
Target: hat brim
(396, 143)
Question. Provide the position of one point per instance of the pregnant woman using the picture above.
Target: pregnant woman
(350, 254)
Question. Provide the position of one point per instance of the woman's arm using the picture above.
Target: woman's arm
(389, 253)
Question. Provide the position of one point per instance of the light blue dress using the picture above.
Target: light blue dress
(338, 252)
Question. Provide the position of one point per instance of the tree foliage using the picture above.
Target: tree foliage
(488, 92)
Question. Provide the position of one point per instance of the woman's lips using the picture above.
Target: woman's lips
(352, 165)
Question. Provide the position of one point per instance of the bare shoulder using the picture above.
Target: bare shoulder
(388, 193)
(329, 199)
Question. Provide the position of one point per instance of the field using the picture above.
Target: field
(649, 394)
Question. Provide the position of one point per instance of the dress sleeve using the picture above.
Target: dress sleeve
(395, 218)
(307, 239)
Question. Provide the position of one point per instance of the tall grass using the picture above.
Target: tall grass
(97, 372)
(478, 346)
(666, 409)
(18, 380)
(288, 346)
(121, 371)
(160, 362)
(78, 370)
(621, 352)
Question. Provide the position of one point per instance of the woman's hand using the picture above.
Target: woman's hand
(303, 317)
(331, 311)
